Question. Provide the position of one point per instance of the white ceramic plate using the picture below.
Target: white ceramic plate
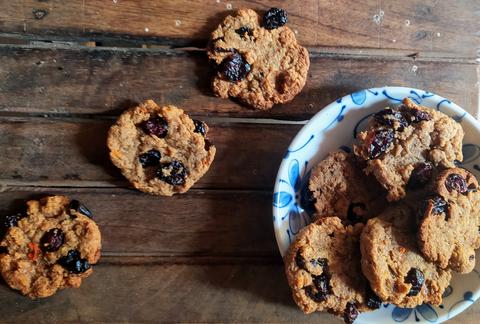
(335, 127)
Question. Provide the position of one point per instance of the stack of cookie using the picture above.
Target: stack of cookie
(392, 220)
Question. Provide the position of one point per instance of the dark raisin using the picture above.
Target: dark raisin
(244, 30)
(354, 212)
(380, 142)
(315, 296)
(3, 250)
(322, 262)
(234, 67)
(300, 261)
(150, 158)
(199, 127)
(322, 283)
(456, 182)
(439, 205)
(421, 175)
(350, 313)
(274, 18)
(373, 301)
(173, 173)
(388, 117)
(81, 208)
(52, 240)
(9, 221)
(416, 278)
(74, 263)
(155, 126)
(307, 201)
(416, 115)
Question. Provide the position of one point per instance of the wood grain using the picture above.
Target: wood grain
(67, 152)
(106, 81)
(446, 26)
(214, 224)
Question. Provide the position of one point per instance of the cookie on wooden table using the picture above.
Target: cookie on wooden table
(449, 225)
(160, 150)
(397, 271)
(407, 140)
(258, 59)
(339, 187)
(51, 246)
(323, 270)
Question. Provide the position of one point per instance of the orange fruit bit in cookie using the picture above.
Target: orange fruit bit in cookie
(34, 251)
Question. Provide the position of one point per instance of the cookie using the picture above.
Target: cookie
(449, 227)
(339, 187)
(397, 271)
(51, 246)
(402, 139)
(258, 60)
(160, 150)
(323, 270)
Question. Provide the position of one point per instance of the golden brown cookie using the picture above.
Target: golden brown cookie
(258, 59)
(399, 140)
(339, 187)
(323, 270)
(449, 227)
(50, 247)
(160, 150)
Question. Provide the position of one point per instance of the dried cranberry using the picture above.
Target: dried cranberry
(274, 18)
(52, 240)
(73, 262)
(416, 278)
(416, 115)
(199, 127)
(439, 205)
(352, 214)
(234, 67)
(300, 261)
(155, 126)
(81, 208)
(421, 175)
(244, 30)
(350, 313)
(3, 250)
(173, 173)
(456, 182)
(389, 116)
(150, 158)
(373, 301)
(380, 142)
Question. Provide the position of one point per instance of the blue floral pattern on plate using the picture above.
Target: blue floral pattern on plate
(336, 127)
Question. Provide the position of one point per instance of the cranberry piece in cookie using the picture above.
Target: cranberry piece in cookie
(52, 240)
(155, 126)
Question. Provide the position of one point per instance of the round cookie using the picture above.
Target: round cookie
(50, 247)
(449, 229)
(407, 140)
(258, 60)
(392, 263)
(323, 270)
(160, 150)
(339, 187)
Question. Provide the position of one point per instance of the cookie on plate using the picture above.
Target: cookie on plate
(397, 271)
(449, 225)
(50, 247)
(339, 187)
(258, 59)
(405, 140)
(323, 270)
(160, 150)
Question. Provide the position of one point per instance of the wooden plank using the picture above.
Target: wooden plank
(430, 25)
(106, 81)
(57, 152)
(212, 224)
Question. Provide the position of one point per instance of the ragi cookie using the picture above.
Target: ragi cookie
(323, 270)
(51, 246)
(160, 150)
(258, 59)
(450, 221)
(339, 187)
(397, 271)
(401, 141)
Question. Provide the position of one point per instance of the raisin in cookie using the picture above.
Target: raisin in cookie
(339, 187)
(50, 247)
(323, 270)
(399, 140)
(160, 150)
(449, 229)
(259, 60)
(397, 271)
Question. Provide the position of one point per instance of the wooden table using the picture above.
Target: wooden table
(68, 68)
